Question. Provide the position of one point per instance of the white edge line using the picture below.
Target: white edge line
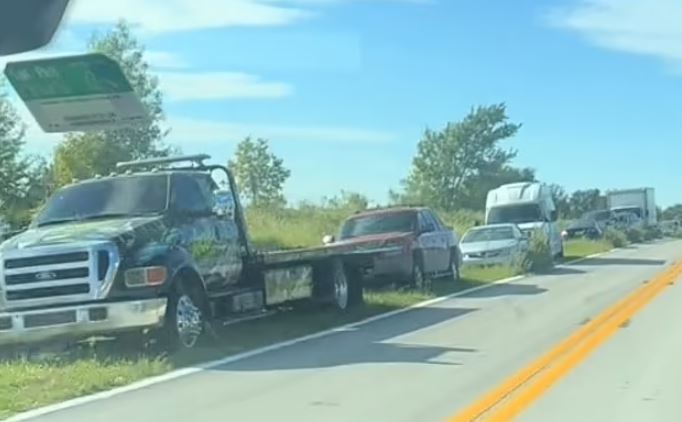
(183, 372)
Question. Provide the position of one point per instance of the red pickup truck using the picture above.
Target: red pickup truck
(428, 248)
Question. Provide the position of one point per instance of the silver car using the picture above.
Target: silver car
(494, 244)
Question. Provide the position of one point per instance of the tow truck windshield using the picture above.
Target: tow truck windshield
(106, 198)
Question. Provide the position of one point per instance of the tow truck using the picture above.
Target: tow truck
(160, 246)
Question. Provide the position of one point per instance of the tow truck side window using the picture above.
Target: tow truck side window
(187, 195)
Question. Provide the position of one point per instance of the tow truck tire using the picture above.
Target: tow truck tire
(346, 287)
(185, 323)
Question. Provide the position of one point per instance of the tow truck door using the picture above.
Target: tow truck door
(205, 235)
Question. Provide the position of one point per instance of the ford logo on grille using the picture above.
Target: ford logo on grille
(46, 275)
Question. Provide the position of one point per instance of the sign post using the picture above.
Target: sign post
(76, 93)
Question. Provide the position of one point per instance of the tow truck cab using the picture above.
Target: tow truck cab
(151, 247)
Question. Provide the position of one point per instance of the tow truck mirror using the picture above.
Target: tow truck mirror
(328, 239)
(224, 204)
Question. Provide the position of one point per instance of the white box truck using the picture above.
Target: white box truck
(639, 201)
(530, 206)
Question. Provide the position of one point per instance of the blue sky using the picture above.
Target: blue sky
(344, 88)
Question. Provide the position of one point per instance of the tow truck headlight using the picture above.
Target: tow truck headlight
(145, 276)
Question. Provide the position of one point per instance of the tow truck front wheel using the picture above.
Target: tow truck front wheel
(185, 319)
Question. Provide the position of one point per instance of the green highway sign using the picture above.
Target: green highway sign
(76, 93)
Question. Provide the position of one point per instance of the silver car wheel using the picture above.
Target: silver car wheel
(189, 321)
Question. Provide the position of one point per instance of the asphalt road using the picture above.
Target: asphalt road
(636, 376)
(426, 364)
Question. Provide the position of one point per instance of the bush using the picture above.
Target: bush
(539, 257)
(616, 238)
(634, 235)
(652, 233)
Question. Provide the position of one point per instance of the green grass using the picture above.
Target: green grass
(25, 385)
(580, 248)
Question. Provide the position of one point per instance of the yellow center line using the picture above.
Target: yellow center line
(517, 392)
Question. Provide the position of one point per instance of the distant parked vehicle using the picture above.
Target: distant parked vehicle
(640, 201)
(586, 228)
(428, 248)
(627, 220)
(530, 206)
(495, 244)
(590, 225)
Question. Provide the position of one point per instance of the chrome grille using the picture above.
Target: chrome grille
(57, 274)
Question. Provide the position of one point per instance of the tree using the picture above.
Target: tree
(259, 173)
(13, 174)
(673, 212)
(561, 200)
(583, 201)
(449, 161)
(83, 155)
(22, 177)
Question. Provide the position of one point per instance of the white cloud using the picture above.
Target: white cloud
(646, 27)
(179, 15)
(165, 60)
(183, 86)
(190, 131)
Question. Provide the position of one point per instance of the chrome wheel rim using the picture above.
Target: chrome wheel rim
(341, 290)
(189, 321)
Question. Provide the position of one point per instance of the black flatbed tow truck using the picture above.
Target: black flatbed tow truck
(160, 246)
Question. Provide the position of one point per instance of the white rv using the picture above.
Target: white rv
(530, 206)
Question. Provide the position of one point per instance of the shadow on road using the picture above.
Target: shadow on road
(563, 271)
(364, 344)
(506, 290)
(622, 261)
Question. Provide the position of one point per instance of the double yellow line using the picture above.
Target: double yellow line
(512, 396)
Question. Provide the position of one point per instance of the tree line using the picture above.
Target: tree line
(453, 168)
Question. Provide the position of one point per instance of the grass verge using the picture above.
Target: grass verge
(26, 385)
(581, 248)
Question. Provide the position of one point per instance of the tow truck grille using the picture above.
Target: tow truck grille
(35, 261)
(46, 276)
(35, 277)
(72, 289)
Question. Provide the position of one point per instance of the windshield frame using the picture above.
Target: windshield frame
(36, 221)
